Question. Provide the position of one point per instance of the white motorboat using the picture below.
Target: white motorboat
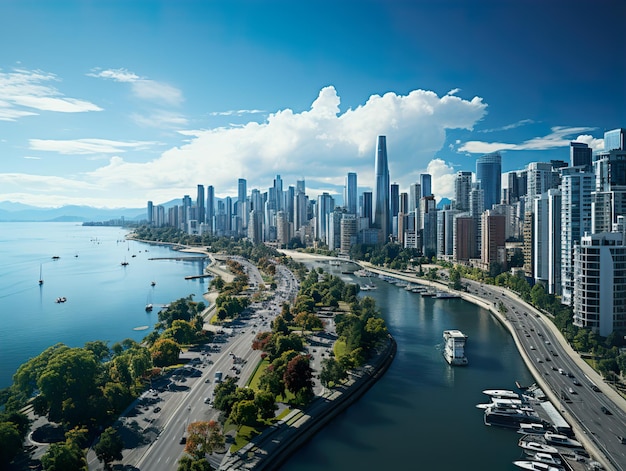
(503, 393)
(563, 440)
(545, 458)
(536, 466)
(536, 446)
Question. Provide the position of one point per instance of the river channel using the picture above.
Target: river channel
(421, 414)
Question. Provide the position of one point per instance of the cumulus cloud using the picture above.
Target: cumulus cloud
(443, 176)
(320, 145)
(559, 137)
(22, 91)
(143, 88)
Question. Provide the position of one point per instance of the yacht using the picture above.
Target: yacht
(537, 466)
(532, 429)
(454, 350)
(148, 307)
(536, 446)
(545, 458)
(563, 440)
(509, 417)
(503, 393)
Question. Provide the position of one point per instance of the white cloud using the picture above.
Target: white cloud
(30, 89)
(143, 88)
(236, 112)
(443, 176)
(86, 146)
(321, 145)
(593, 142)
(559, 137)
(160, 119)
(508, 127)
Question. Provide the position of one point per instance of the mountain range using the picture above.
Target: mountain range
(18, 212)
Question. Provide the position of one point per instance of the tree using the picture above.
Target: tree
(109, 447)
(186, 463)
(332, 372)
(299, 374)
(10, 443)
(244, 412)
(265, 403)
(203, 438)
(165, 352)
(64, 456)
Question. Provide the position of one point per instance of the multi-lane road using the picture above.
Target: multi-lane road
(156, 423)
(562, 373)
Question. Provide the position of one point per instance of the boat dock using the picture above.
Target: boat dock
(194, 277)
(184, 259)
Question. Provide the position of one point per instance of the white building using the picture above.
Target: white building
(600, 283)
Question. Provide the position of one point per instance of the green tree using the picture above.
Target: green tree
(265, 403)
(109, 447)
(333, 372)
(10, 443)
(64, 456)
(165, 352)
(244, 412)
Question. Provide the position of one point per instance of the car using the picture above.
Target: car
(532, 348)
(208, 380)
(207, 400)
(621, 439)
(183, 440)
(548, 359)
(539, 360)
(157, 409)
(576, 382)
(605, 410)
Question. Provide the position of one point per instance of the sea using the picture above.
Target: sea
(105, 300)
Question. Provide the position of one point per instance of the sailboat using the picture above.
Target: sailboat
(40, 274)
(124, 263)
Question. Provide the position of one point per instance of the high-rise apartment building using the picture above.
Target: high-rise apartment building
(493, 239)
(576, 188)
(600, 283)
(608, 201)
(381, 216)
(462, 189)
(488, 173)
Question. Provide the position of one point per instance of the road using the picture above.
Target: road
(157, 421)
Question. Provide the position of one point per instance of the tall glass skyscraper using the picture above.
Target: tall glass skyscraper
(381, 218)
(200, 204)
(351, 193)
(489, 174)
(426, 184)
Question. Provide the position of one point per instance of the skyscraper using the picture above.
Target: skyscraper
(210, 207)
(200, 204)
(488, 173)
(242, 191)
(462, 188)
(381, 219)
(579, 154)
(351, 193)
(426, 184)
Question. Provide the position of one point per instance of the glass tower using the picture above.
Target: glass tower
(381, 218)
(488, 173)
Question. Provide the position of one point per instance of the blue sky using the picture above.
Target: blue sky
(113, 103)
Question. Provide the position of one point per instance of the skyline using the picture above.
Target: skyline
(112, 104)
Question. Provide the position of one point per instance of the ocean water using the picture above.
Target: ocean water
(105, 300)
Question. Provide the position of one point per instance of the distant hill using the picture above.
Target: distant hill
(17, 212)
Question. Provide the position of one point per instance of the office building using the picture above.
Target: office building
(426, 185)
(489, 174)
(462, 189)
(580, 154)
(351, 193)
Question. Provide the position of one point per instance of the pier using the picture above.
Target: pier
(184, 259)
(193, 277)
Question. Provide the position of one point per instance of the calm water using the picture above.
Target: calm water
(105, 300)
(421, 415)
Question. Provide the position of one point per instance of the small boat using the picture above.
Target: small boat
(60, 299)
(40, 275)
(55, 257)
(153, 283)
(536, 466)
(536, 446)
(124, 263)
(148, 307)
(563, 440)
